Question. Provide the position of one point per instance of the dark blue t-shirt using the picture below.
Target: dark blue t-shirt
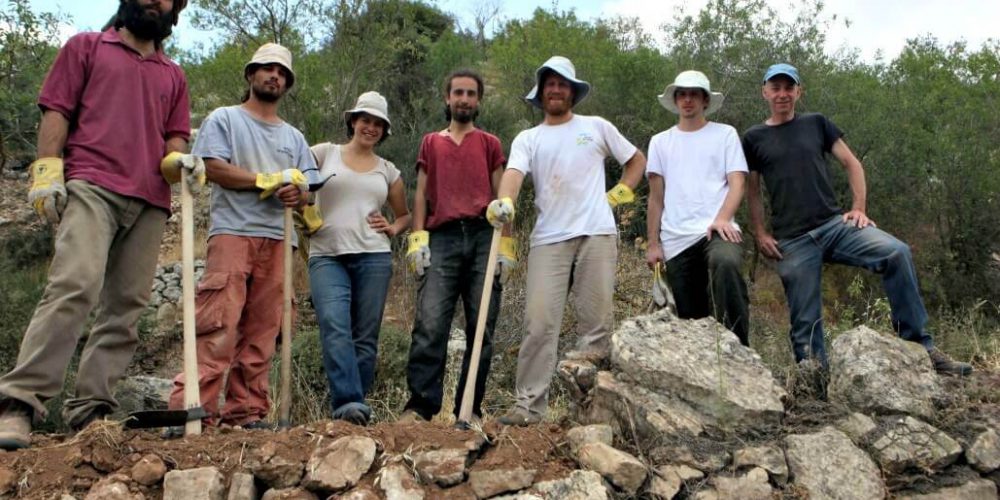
(792, 159)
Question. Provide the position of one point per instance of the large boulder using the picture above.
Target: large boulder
(202, 483)
(829, 466)
(977, 489)
(340, 464)
(884, 374)
(906, 442)
(622, 469)
(984, 453)
(696, 364)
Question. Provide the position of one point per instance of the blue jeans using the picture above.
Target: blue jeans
(459, 251)
(801, 269)
(348, 292)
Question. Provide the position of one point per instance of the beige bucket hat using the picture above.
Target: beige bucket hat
(691, 80)
(272, 53)
(563, 67)
(371, 103)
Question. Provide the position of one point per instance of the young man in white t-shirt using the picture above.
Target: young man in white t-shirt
(696, 177)
(575, 236)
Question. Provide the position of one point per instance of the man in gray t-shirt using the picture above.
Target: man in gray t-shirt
(261, 165)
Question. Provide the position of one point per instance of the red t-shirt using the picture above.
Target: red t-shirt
(458, 176)
(122, 108)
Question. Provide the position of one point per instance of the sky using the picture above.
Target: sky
(877, 28)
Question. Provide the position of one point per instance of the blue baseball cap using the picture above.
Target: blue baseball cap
(782, 69)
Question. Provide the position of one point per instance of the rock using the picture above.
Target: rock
(623, 470)
(579, 485)
(362, 493)
(203, 483)
(103, 458)
(701, 364)
(278, 472)
(8, 480)
(977, 489)
(751, 486)
(597, 433)
(667, 480)
(704, 461)
(289, 494)
(653, 414)
(828, 465)
(171, 294)
(142, 393)
(881, 373)
(769, 458)
(340, 464)
(577, 376)
(492, 482)
(984, 454)
(444, 467)
(907, 442)
(397, 483)
(242, 487)
(67, 496)
(856, 426)
(149, 470)
(116, 488)
(167, 314)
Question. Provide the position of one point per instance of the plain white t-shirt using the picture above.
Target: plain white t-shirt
(694, 166)
(566, 164)
(345, 202)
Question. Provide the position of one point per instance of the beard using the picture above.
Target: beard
(264, 94)
(461, 115)
(144, 24)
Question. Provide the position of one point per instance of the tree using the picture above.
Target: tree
(28, 45)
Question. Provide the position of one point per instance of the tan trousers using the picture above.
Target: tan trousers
(106, 249)
(587, 265)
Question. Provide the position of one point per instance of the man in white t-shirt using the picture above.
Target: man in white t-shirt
(575, 237)
(696, 176)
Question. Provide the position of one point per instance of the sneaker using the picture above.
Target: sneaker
(354, 416)
(519, 417)
(410, 417)
(944, 365)
(15, 424)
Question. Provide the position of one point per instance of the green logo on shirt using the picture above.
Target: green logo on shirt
(584, 138)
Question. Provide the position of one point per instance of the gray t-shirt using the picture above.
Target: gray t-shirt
(234, 135)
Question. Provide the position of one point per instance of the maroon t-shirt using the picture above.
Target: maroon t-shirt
(122, 108)
(458, 176)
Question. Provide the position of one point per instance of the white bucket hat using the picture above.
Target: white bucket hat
(691, 80)
(272, 53)
(371, 103)
(563, 67)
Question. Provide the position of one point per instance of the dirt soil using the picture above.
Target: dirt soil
(58, 464)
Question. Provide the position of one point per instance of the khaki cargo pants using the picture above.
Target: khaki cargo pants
(106, 249)
(586, 265)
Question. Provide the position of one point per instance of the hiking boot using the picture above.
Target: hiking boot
(410, 417)
(519, 417)
(257, 425)
(354, 416)
(944, 365)
(173, 432)
(99, 413)
(15, 424)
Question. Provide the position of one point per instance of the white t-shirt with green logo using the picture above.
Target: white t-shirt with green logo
(566, 164)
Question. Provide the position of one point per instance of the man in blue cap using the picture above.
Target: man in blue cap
(575, 237)
(808, 227)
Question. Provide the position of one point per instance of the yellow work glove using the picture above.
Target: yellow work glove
(171, 165)
(506, 258)
(500, 212)
(312, 219)
(620, 195)
(269, 183)
(48, 189)
(419, 252)
(662, 296)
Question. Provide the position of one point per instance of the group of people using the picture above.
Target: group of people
(112, 139)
